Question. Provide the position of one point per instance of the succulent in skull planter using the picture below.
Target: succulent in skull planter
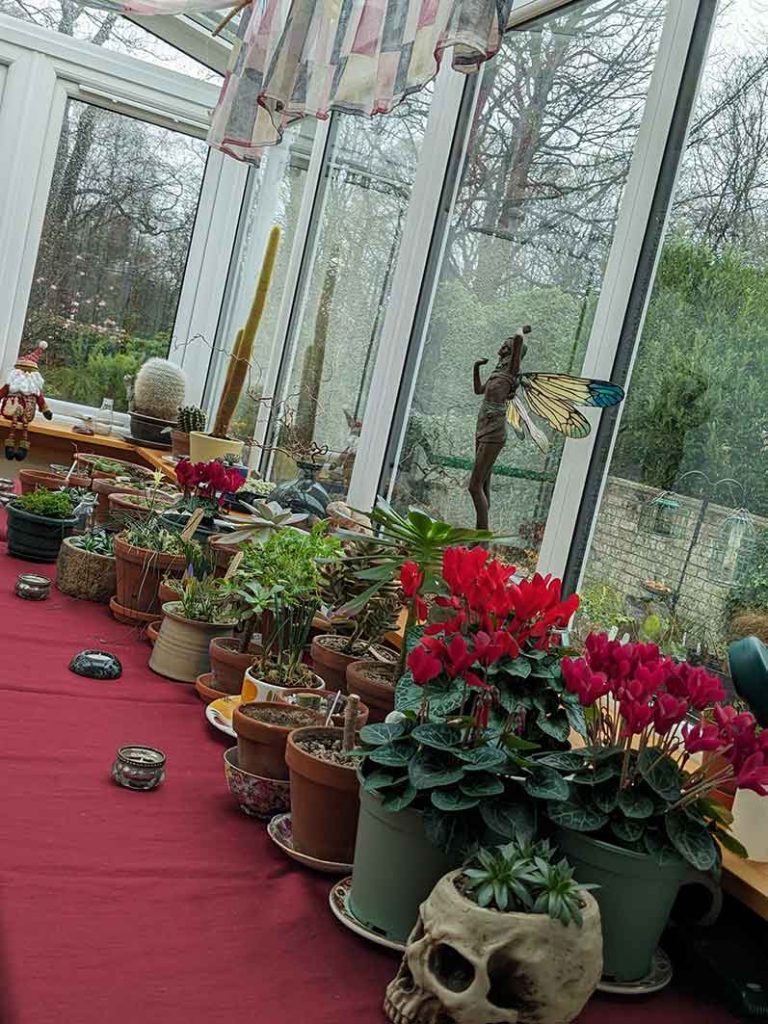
(509, 939)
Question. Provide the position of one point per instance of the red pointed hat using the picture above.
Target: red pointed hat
(31, 359)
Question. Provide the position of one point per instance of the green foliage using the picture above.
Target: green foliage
(152, 535)
(205, 600)
(633, 799)
(521, 877)
(97, 541)
(50, 504)
(288, 563)
(340, 588)
(751, 588)
(462, 784)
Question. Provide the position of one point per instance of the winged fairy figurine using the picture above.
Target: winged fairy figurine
(510, 396)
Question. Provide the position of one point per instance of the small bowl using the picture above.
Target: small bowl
(256, 796)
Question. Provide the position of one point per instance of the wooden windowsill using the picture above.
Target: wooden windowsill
(59, 434)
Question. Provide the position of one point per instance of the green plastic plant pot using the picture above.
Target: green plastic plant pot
(395, 868)
(36, 538)
(636, 896)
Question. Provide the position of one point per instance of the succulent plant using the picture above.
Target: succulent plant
(159, 389)
(268, 516)
(191, 417)
(522, 877)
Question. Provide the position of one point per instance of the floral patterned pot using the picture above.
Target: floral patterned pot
(256, 796)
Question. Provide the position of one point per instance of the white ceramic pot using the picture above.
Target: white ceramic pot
(256, 689)
(750, 824)
(203, 447)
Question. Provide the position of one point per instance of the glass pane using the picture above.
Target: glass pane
(680, 548)
(274, 196)
(367, 190)
(113, 250)
(107, 29)
(550, 146)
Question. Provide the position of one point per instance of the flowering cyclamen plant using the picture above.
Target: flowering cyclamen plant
(207, 483)
(637, 781)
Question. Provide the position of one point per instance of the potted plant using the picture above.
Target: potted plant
(483, 687)
(143, 503)
(279, 666)
(190, 418)
(405, 550)
(359, 628)
(518, 926)
(202, 612)
(204, 486)
(31, 479)
(86, 566)
(158, 393)
(203, 447)
(262, 729)
(145, 552)
(37, 524)
(324, 789)
(636, 814)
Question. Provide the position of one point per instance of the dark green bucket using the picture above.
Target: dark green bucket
(36, 538)
(636, 896)
(395, 869)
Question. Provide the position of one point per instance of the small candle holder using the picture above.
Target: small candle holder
(139, 767)
(33, 587)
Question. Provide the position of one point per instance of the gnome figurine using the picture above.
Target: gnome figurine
(20, 398)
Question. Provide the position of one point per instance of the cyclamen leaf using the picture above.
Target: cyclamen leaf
(691, 840)
(546, 784)
(440, 737)
(555, 725)
(453, 800)
(661, 773)
(605, 798)
(577, 816)
(520, 667)
(481, 784)
(398, 799)
(451, 833)
(478, 759)
(382, 732)
(508, 818)
(564, 761)
(427, 769)
(378, 780)
(635, 804)
(396, 755)
(731, 843)
(628, 830)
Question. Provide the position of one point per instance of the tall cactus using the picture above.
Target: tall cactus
(242, 350)
(159, 389)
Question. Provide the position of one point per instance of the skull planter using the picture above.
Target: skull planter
(468, 965)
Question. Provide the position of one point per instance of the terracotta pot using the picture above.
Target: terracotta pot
(324, 800)
(31, 479)
(181, 649)
(102, 488)
(128, 615)
(228, 664)
(330, 665)
(326, 698)
(165, 594)
(379, 696)
(121, 506)
(179, 443)
(85, 574)
(88, 460)
(139, 572)
(261, 745)
(153, 628)
(204, 689)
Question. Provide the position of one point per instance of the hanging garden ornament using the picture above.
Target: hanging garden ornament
(20, 398)
(663, 515)
(305, 58)
(733, 545)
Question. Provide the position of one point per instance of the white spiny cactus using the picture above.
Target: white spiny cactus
(159, 389)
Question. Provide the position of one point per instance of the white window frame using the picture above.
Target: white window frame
(43, 70)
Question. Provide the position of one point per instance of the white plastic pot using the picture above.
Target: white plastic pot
(255, 689)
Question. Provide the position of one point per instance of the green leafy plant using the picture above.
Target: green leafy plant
(98, 542)
(268, 517)
(49, 504)
(152, 535)
(205, 600)
(361, 627)
(521, 877)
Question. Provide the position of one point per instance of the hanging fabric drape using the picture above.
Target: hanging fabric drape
(305, 58)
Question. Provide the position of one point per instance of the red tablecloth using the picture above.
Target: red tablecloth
(169, 907)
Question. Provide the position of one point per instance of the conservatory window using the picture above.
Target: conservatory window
(692, 433)
(554, 129)
(352, 250)
(112, 255)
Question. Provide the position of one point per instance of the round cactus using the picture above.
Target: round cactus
(159, 389)
(191, 417)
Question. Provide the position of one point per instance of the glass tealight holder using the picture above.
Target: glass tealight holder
(33, 587)
(139, 767)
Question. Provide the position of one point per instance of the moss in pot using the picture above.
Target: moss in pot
(262, 729)
(324, 789)
(37, 524)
